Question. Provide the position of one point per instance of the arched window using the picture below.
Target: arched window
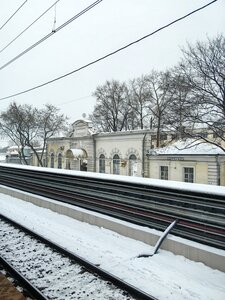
(60, 161)
(102, 163)
(116, 164)
(52, 160)
(132, 165)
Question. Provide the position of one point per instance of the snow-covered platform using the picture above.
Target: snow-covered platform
(212, 257)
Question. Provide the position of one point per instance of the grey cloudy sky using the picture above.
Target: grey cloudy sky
(108, 26)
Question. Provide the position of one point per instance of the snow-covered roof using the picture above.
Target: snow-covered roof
(82, 121)
(78, 153)
(12, 152)
(190, 146)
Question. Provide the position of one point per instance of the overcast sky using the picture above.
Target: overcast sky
(108, 26)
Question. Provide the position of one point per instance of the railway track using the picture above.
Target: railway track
(201, 216)
(48, 271)
(10, 288)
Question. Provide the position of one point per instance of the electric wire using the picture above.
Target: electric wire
(51, 33)
(74, 100)
(109, 54)
(13, 14)
(13, 40)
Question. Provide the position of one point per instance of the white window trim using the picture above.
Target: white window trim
(164, 165)
(188, 166)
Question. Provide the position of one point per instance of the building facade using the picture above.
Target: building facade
(133, 153)
(188, 161)
(121, 153)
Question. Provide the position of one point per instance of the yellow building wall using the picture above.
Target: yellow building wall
(56, 148)
(175, 169)
(201, 173)
(124, 145)
(222, 174)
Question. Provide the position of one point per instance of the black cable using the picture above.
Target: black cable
(51, 33)
(110, 54)
(74, 100)
(13, 40)
(13, 14)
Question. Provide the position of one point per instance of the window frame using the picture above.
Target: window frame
(164, 174)
(189, 176)
(52, 160)
(101, 163)
(132, 161)
(116, 164)
(59, 158)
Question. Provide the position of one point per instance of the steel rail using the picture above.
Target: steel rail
(53, 193)
(134, 202)
(135, 292)
(130, 198)
(121, 186)
(167, 195)
(144, 205)
(32, 290)
(95, 198)
(128, 202)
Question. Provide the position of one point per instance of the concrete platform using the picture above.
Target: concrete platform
(212, 257)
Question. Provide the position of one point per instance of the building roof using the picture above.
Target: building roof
(190, 146)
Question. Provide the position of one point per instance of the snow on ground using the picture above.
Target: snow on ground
(165, 275)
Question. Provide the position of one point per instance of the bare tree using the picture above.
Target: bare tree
(203, 67)
(160, 98)
(50, 123)
(111, 110)
(28, 126)
(139, 95)
(180, 107)
(15, 122)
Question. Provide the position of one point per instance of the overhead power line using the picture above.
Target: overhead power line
(13, 14)
(51, 33)
(13, 40)
(74, 100)
(109, 54)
